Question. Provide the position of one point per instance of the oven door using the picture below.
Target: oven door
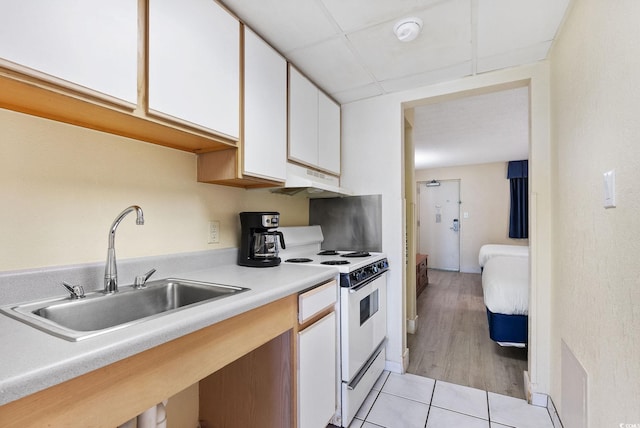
(363, 323)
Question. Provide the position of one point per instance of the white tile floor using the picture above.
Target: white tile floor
(407, 401)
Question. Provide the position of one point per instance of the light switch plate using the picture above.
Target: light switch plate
(610, 189)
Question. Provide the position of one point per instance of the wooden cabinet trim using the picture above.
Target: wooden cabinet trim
(38, 98)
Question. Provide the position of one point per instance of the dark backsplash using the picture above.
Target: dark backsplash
(349, 223)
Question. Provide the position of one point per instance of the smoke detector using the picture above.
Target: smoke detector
(408, 29)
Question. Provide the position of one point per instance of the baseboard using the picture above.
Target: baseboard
(396, 367)
(534, 398)
(405, 360)
(412, 325)
(527, 386)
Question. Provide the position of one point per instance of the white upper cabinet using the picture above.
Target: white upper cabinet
(303, 119)
(265, 109)
(314, 125)
(90, 43)
(194, 64)
(328, 134)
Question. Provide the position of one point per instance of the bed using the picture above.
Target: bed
(505, 287)
(492, 250)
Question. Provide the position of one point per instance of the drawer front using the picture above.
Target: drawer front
(316, 300)
(422, 277)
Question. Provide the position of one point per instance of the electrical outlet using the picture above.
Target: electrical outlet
(214, 232)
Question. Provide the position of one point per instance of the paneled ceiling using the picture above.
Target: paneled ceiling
(478, 129)
(348, 48)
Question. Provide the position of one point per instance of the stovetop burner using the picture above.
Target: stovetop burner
(335, 262)
(299, 260)
(357, 254)
(328, 253)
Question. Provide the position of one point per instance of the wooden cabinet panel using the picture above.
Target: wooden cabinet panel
(265, 110)
(194, 64)
(253, 391)
(92, 44)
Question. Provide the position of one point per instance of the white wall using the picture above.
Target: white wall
(596, 275)
(372, 152)
(485, 195)
(62, 186)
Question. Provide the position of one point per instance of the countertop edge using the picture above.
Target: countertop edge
(29, 371)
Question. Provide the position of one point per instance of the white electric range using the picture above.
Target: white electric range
(362, 311)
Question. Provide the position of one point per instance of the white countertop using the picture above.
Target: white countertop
(33, 360)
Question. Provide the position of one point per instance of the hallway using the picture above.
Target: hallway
(452, 342)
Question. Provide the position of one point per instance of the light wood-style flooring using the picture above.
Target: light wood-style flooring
(452, 341)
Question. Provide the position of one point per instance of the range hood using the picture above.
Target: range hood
(311, 183)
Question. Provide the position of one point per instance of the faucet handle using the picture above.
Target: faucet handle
(142, 279)
(76, 291)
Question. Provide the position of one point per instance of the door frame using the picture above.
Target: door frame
(537, 79)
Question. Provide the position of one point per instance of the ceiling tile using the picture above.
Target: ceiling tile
(287, 24)
(444, 41)
(357, 14)
(506, 25)
(428, 78)
(360, 93)
(348, 47)
(477, 129)
(513, 58)
(331, 65)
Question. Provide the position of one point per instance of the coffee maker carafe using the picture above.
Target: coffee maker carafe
(258, 240)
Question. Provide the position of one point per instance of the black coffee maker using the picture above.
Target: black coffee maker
(258, 240)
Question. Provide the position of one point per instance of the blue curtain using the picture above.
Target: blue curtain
(517, 173)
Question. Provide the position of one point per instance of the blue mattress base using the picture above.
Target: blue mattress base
(508, 328)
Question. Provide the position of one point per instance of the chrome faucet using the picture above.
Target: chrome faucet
(110, 270)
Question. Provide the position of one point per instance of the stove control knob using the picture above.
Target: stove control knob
(374, 269)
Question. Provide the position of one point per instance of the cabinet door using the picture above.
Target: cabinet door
(194, 64)
(303, 119)
(317, 373)
(328, 134)
(89, 43)
(265, 109)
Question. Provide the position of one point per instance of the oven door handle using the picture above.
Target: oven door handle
(367, 282)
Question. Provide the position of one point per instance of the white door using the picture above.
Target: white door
(194, 64)
(439, 224)
(265, 109)
(317, 373)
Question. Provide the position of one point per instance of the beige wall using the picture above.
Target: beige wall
(596, 274)
(62, 186)
(378, 123)
(484, 192)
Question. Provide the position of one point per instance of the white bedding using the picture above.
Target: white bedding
(505, 285)
(493, 250)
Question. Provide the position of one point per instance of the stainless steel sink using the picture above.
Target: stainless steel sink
(99, 313)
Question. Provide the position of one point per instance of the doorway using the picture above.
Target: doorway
(459, 349)
(439, 223)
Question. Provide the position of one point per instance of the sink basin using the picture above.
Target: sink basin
(99, 313)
